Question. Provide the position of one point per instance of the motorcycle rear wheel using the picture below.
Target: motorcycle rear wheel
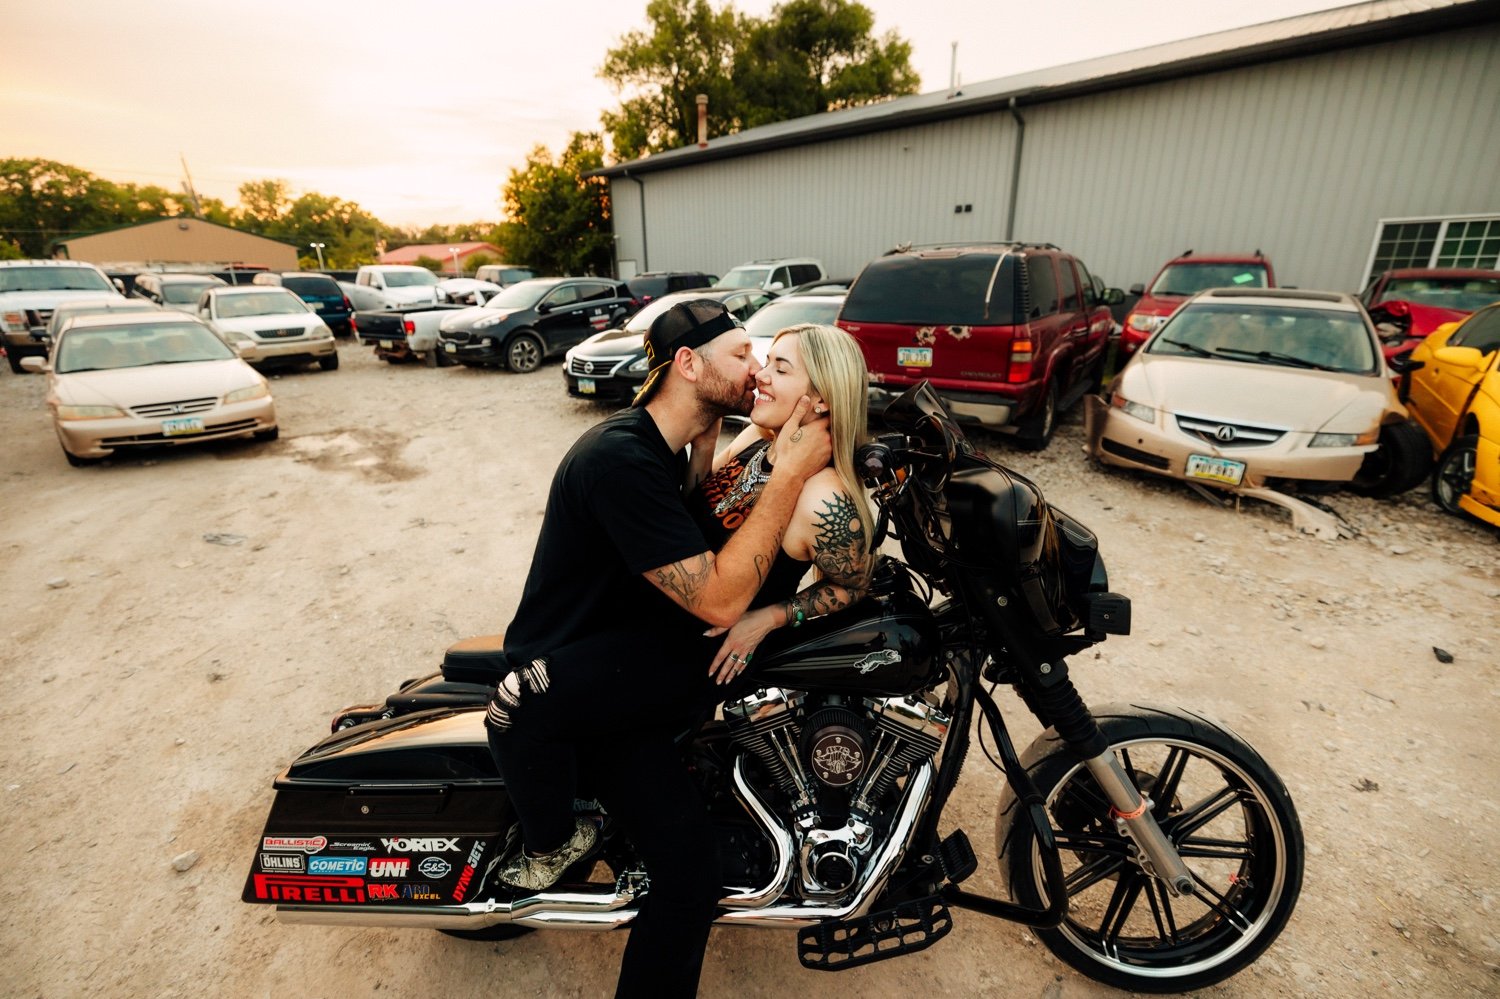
(1218, 802)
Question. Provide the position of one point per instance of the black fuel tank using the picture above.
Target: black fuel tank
(879, 647)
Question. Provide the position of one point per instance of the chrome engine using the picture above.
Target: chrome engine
(836, 759)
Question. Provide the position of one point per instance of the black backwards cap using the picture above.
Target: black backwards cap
(686, 324)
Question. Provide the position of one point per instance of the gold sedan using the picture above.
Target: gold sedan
(119, 382)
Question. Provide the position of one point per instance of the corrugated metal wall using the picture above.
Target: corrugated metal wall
(1299, 158)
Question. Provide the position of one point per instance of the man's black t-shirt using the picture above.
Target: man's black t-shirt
(615, 511)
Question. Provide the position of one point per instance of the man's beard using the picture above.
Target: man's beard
(718, 396)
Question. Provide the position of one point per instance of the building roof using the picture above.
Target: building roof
(437, 251)
(185, 220)
(1339, 28)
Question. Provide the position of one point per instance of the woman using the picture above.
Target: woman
(830, 530)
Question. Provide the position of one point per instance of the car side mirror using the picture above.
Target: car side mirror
(775, 286)
(1112, 296)
(1402, 364)
(36, 365)
(1138, 289)
(1459, 357)
(544, 308)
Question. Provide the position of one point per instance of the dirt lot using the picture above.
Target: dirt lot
(156, 678)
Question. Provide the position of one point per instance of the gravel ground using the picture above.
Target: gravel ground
(177, 627)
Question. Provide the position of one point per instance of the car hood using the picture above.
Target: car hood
(465, 319)
(618, 346)
(1248, 392)
(154, 383)
(48, 299)
(1158, 305)
(411, 295)
(249, 324)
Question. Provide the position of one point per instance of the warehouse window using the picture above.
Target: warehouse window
(1470, 241)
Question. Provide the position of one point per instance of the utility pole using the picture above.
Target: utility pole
(187, 185)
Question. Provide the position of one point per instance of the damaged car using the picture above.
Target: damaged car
(1260, 391)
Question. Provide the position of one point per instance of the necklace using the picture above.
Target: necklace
(752, 478)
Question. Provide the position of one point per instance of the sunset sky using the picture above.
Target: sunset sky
(419, 111)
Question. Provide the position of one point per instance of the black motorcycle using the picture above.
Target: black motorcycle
(1151, 848)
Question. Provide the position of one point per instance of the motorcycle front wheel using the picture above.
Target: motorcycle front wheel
(1223, 808)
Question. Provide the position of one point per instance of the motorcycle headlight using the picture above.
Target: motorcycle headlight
(248, 392)
(643, 365)
(1135, 409)
(89, 412)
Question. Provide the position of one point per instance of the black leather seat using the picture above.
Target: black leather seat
(480, 660)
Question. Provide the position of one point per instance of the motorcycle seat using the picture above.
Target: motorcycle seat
(480, 660)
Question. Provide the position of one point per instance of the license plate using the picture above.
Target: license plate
(1201, 466)
(586, 386)
(914, 357)
(451, 347)
(187, 425)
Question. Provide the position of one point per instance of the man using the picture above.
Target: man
(608, 644)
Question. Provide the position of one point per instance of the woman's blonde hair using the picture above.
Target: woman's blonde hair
(837, 371)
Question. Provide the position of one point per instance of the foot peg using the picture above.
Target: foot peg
(957, 857)
(902, 929)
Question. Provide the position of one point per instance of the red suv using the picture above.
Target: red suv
(1009, 334)
(1184, 277)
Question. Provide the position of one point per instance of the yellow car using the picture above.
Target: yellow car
(1452, 390)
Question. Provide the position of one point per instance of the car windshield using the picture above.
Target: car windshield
(1265, 334)
(780, 314)
(521, 296)
(958, 289)
(103, 348)
(271, 302)
(1464, 294)
(320, 287)
(184, 292)
(420, 277)
(1189, 279)
(744, 277)
(52, 279)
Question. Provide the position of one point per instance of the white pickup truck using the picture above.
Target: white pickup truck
(406, 332)
(399, 284)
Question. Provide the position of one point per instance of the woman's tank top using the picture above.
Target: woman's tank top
(723, 500)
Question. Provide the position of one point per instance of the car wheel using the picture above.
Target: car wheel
(1454, 476)
(267, 436)
(1036, 430)
(1400, 461)
(329, 362)
(523, 353)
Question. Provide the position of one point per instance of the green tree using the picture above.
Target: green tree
(560, 218)
(43, 200)
(808, 56)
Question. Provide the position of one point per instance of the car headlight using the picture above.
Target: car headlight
(249, 392)
(1135, 409)
(644, 364)
(89, 412)
(486, 323)
(322, 332)
(1345, 440)
(1142, 323)
(236, 336)
(14, 322)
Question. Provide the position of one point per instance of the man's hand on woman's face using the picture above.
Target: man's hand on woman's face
(803, 445)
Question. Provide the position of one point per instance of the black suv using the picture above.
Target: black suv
(1009, 334)
(533, 320)
(321, 293)
(655, 284)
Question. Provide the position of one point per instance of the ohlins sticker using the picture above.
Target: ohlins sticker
(336, 865)
(289, 862)
(421, 845)
(293, 888)
(306, 844)
(877, 659)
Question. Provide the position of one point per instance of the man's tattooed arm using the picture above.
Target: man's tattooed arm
(685, 580)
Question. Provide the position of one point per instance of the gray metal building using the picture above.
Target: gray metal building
(1339, 143)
